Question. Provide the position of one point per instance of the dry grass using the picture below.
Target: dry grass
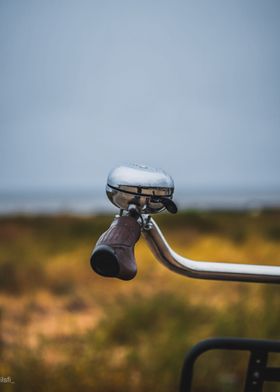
(63, 328)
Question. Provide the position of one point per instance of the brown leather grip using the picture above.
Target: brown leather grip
(113, 255)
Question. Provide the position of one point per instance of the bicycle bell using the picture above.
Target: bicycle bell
(149, 189)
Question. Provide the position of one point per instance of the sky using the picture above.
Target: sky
(192, 87)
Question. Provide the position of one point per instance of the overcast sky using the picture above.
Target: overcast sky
(189, 86)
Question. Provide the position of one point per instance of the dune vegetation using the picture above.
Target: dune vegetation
(63, 328)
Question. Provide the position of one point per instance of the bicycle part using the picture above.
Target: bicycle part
(150, 189)
(257, 371)
(139, 191)
(205, 269)
(113, 255)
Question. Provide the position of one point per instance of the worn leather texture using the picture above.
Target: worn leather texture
(116, 246)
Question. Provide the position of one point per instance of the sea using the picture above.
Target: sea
(93, 202)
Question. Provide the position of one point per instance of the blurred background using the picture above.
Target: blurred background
(189, 86)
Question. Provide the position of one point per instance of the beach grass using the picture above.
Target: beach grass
(64, 328)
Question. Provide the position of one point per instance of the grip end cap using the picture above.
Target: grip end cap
(104, 261)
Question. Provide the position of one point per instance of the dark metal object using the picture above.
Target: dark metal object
(257, 372)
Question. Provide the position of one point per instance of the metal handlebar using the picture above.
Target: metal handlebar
(139, 191)
(205, 269)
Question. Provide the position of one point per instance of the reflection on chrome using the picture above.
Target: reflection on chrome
(205, 269)
(148, 188)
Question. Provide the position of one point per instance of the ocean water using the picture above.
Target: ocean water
(96, 202)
